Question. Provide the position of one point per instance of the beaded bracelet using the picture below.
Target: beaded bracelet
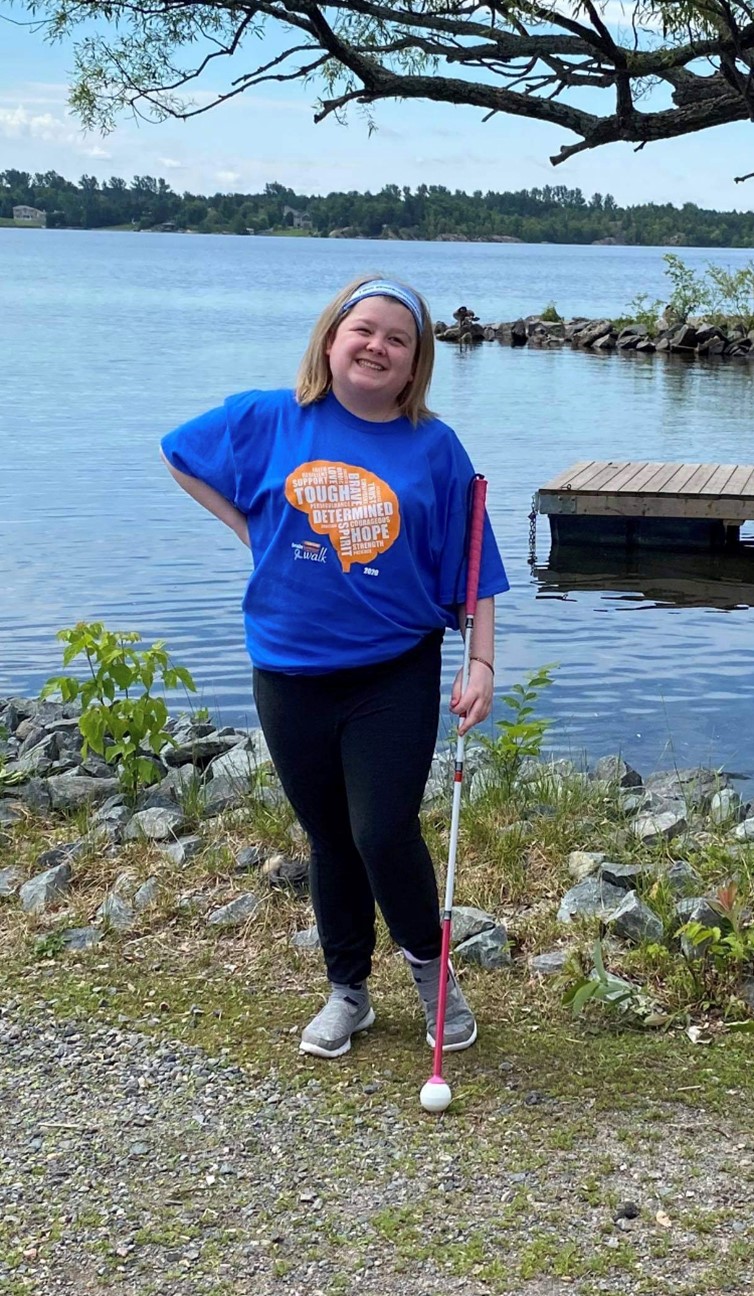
(484, 662)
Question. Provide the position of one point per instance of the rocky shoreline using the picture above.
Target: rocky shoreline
(209, 771)
(695, 338)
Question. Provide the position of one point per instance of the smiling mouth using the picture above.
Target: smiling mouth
(370, 364)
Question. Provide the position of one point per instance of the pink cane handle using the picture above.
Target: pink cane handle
(476, 532)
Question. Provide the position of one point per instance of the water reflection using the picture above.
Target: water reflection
(723, 580)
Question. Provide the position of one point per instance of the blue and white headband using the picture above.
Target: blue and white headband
(384, 288)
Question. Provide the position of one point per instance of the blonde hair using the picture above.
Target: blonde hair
(315, 379)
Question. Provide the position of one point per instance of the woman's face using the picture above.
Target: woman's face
(372, 356)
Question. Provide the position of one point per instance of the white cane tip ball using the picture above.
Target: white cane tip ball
(435, 1096)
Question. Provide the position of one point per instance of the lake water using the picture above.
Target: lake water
(108, 340)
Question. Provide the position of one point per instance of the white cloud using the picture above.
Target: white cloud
(18, 123)
(36, 94)
(228, 177)
(171, 164)
(96, 151)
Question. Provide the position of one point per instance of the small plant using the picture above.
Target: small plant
(690, 292)
(550, 314)
(521, 735)
(597, 985)
(736, 291)
(49, 946)
(645, 312)
(121, 719)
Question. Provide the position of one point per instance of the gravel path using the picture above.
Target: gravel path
(133, 1165)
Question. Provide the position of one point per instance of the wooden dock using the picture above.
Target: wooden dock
(648, 503)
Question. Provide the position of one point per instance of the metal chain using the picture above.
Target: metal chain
(533, 531)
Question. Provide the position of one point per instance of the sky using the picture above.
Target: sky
(269, 135)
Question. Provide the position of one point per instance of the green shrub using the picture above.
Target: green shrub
(521, 735)
(121, 719)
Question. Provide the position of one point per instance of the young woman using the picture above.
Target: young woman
(353, 497)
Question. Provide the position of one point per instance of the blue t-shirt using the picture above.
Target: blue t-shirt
(357, 529)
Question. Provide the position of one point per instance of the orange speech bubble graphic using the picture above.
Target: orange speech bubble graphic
(354, 508)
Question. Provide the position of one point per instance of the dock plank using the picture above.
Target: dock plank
(665, 474)
(577, 480)
(650, 489)
(564, 479)
(620, 472)
(719, 479)
(695, 484)
(676, 483)
(736, 486)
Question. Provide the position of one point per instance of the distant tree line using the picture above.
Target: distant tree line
(552, 214)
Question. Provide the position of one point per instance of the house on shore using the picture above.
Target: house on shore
(299, 220)
(25, 215)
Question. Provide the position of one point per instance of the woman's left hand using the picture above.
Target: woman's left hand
(475, 704)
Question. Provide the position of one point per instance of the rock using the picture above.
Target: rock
(240, 764)
(482, 781)
(683, 339)
(66, 854)
(306, 940)
(10, 880)
(115, 913)
(591, 898)
(182, 851)
(146, 895)
(35, 794)
(632, 802)
(70, 792)
(270, 794)
(697, 909)
(626, 1210)
(696, 787)
(549, 964)
(519, 333)
(81, 938)
(625, 875)
(634, 921)
(125, 884)
(489, 949)
(156, 825)
(248, 858)
(595, 334)
(111, 809)
(468, 921)
(235, 913)
(548, 771)
(661, 826)
(613, 769)
(283, 872)
(42, 890)
(744, 831)
(581, 864)
(682, 879)
(37, 758)
(726, 806)
(10, 814)
(179, 782)
(223, 793)
(199, 751)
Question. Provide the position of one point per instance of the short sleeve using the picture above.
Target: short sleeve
(203, 448)
(453, 562)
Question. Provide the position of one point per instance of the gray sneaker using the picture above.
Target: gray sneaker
(346, 1012)
(460, 1027)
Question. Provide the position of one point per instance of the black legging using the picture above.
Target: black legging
(353, 751)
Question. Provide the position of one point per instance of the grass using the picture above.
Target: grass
(540, 1092)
